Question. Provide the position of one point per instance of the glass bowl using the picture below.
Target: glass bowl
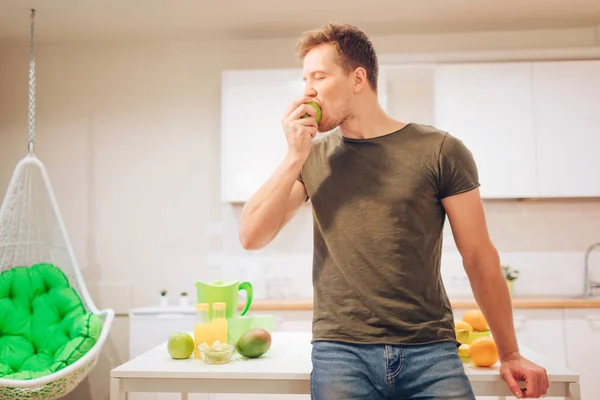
(217, 354)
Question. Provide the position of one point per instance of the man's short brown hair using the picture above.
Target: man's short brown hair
(353, 46)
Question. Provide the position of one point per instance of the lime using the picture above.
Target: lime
(316, 107)
(180, 346)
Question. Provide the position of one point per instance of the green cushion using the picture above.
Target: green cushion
(44, 326)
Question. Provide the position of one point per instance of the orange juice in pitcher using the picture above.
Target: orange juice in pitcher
(203, 332)
(219, 325)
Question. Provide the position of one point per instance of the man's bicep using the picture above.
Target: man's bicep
(467, 221)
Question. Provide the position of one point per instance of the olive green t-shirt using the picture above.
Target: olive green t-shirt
(378, 226)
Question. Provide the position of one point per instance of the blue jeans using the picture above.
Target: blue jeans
(344, 371)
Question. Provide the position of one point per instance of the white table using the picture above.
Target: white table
(284, 369)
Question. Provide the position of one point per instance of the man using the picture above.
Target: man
(380, 191)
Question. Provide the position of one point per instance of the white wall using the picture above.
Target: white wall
(129, 134)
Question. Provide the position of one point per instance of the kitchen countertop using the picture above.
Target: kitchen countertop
(285, 369)
(518, 302)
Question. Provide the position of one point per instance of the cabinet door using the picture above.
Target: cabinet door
(582, 327)
(150, 330)
(489, 107)
(252, 139)
(409, 94)
(147, 330)
(567, 117)
(542, 331)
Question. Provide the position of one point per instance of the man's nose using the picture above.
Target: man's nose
(309, 91)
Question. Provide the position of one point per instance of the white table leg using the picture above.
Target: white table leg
(116, 390)
(184, 396)
(574, 391)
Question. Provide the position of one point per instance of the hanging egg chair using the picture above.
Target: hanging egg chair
(51, 333)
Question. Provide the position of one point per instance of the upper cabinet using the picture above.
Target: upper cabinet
(531, 126)
(407, 92)
(566, 107)
(489, 107)
(253, 143)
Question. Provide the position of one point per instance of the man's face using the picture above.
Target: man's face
(328, 84)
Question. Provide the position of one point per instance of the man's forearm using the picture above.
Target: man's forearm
(491, 293)
(263, 213)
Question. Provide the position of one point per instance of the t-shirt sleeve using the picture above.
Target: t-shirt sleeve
(458, 170)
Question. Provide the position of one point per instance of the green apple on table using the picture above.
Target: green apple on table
(180, 346)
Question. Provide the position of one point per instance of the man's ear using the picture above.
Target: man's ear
(360, 79)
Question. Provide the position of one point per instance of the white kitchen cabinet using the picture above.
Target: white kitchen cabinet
(582, 329)
(542, 331)
(531, 126)
(566, 99)
(253, 142)
(489, 107)
(151, 326)
(407, 92)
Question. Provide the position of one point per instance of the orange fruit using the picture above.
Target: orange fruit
(476, 319)
(462, 325)
(483, 352)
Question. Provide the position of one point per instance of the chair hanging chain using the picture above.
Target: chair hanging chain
(31, 144)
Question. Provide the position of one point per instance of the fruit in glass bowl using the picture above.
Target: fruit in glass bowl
(218, 353)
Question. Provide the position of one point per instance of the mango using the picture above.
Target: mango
(254, 343)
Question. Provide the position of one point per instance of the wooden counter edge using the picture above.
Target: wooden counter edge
(518, 302)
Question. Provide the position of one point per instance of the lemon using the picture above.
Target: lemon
(459, 325)
(464, 353)
(462, 336)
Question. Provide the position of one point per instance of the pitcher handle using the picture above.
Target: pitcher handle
(247, 286)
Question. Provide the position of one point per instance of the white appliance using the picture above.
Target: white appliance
(150, 326)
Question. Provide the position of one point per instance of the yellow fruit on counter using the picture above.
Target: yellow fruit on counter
(462, 336)
(476, 319)
(462, 325)
(464, 352)
(483, 352)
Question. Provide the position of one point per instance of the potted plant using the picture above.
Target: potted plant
(164, 300)
(184, 299)
(510, 275)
